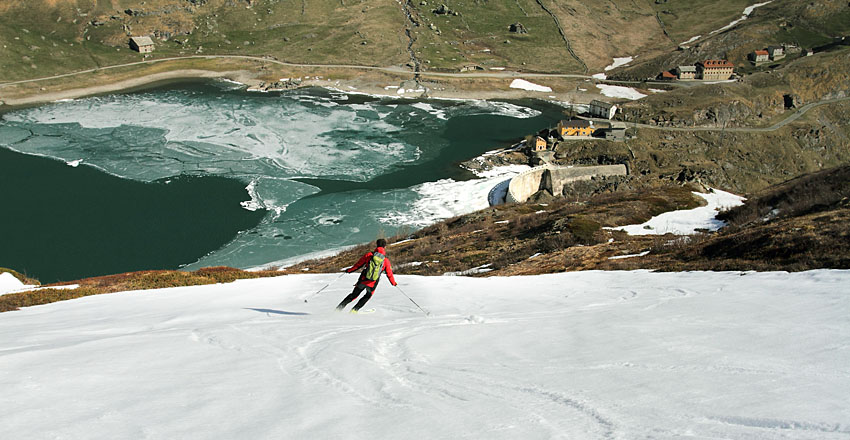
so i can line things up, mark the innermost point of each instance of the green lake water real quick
(204, 173)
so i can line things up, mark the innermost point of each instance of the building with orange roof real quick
(715, 70)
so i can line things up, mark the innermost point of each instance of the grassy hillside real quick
(45, 37)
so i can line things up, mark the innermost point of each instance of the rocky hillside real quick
(741, 162)
(759, 99)
(802, 24)
(797, 225)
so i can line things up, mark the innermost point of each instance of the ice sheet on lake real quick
(449, 198)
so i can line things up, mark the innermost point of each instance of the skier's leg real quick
(352, 296)
(366, 297)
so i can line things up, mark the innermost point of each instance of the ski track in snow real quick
(597, 355)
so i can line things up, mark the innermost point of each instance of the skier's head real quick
(381, 242)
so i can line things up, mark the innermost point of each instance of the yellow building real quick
(578, 127)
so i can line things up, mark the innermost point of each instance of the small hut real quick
(141, 44)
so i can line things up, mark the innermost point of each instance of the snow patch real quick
(484, 268)
(691, 40)
(619, 62)
(686, 222)
(747, 11)
(620, 257)
(9, 283)
(620, 92)
(525, 85)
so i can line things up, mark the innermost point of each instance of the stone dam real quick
(548, 177)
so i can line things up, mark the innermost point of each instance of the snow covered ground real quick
(619, 62)
(746, 14)
(526, 85)
(620, 92)
(586, 355)
(8, 284)
(685, 222)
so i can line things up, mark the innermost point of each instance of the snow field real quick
(609, 355)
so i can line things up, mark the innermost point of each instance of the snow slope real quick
(587, 355)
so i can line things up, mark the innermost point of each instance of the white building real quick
(602, 109)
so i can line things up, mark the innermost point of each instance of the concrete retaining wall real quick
(553, 179)
(525, 184)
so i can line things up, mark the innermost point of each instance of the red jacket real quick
(387, 268)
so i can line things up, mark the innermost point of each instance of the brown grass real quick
(810, 193)
(145, 280)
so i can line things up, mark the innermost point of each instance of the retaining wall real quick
(553, 179)
(524, 184)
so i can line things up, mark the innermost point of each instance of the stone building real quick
(715, 70)
(602, 109)
(616, 132)
(141, 44)
(686, 72)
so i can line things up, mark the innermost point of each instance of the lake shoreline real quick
(378, 84)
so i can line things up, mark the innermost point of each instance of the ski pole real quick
(326, 286)
(427, 313)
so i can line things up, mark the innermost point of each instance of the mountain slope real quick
(40, 38)
(581, 355)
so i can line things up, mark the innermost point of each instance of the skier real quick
(377, 263)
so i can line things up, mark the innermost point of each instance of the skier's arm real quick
(388, 269)
(360, 262)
